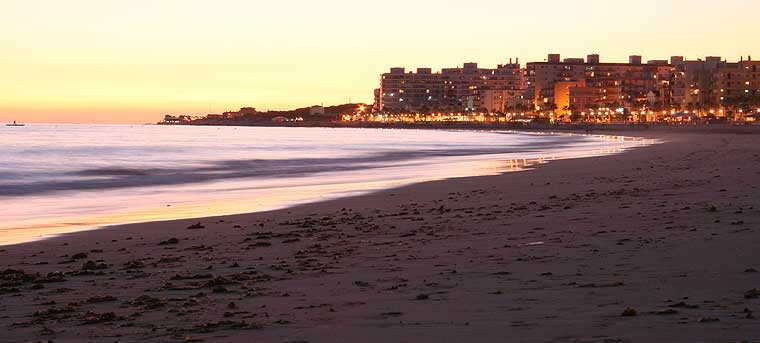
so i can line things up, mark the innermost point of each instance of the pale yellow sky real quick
(114, 61)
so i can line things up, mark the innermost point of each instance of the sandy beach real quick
(659, 244)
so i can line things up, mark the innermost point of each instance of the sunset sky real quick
(113, 61)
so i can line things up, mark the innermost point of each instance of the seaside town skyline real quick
(636, 90)
(567, 89)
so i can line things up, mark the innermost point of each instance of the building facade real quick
(575, 83)
(739, 87)
(468, 88)
(696, 83)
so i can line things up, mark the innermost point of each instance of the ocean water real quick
(64, 178)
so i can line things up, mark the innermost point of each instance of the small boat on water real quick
(15, 124)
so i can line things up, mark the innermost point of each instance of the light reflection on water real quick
(116, 174)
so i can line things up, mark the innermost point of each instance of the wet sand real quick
(659, 244)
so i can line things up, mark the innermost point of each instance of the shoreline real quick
(556, 253)
(73, 223)
(524, 127)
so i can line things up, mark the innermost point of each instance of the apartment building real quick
(739, 80)
(695, 82)
(591, 83)
(451, 89)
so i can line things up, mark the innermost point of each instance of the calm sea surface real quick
(64, 178)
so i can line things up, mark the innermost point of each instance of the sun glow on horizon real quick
(87, 61)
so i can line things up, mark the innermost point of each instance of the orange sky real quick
(117, 61)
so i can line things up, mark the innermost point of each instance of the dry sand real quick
(670, 233)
